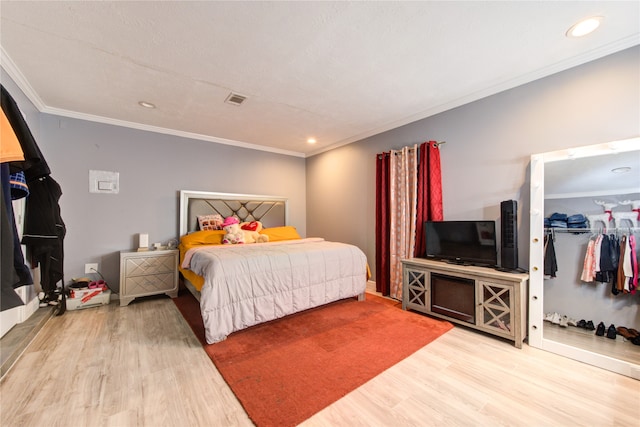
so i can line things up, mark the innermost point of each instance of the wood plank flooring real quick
(141, 365)
(618, 348)
(18, 338)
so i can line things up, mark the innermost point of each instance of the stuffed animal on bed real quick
(234, 235)
(251, 232)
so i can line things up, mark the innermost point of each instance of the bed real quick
(239, 286)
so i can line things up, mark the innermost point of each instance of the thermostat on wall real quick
(104, 182)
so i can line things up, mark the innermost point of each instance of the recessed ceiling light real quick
(311, 140)
(146, 104)
(584, 27)
(623, 169)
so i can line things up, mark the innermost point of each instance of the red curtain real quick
(429, 206)
(382, 223)
(429, 192)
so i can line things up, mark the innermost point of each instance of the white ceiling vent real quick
(235, 99)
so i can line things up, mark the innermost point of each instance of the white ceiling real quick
(593, 176)
(337, 71)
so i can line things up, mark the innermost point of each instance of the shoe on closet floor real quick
(564, 321)
(556, 319)
(600, 329)
(626, 333)
(548, 317)
(581, 324)
(611, 332)
(41, 299)
(589, 326)
(572, 322)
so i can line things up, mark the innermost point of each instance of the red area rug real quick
(286, 370)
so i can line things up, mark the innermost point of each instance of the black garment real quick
(44, 231)
(614, 252)
(606, 266)
(550, 261)
(8, 276)
(33, 165)
(22, 271)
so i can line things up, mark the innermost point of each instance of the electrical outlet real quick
(90, 268)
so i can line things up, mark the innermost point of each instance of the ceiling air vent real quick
(235, 99)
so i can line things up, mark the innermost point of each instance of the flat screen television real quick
(462, 242)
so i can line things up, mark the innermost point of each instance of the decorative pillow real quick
(287, 232)
(203, 237)
(210, 222)
(251, 226)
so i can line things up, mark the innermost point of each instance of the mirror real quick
(570, 182)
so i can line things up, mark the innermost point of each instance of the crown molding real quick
(496, 88)
(17, 76)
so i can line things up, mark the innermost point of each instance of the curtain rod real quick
(436, 143)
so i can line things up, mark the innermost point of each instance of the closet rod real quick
(592, 230)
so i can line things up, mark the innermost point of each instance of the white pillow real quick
(210, 222)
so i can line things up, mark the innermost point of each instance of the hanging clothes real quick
(610, 259)
(34, 164)
(10, 193)
(633, 282)
(621, 264)
(614, 249)
(18, 185)
(10, 149)
(589, 265)
(605, 271)
(596, 256)
(627, 266)
(8, 275)
(613, 260)
(44, 229)
(14, 272)
(550, 260)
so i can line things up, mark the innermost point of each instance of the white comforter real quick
(250, 284)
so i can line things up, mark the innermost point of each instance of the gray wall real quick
(153, 168)
(488, 146)
(485, 161)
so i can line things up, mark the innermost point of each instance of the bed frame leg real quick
(361, 297)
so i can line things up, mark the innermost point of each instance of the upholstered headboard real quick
(270, 210)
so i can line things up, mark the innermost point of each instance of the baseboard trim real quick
(16, 341)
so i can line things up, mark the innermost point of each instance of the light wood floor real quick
(141, 365)
(618, 348)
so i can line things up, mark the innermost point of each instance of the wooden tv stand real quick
(482, 298)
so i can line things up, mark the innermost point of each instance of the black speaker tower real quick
(509, 234)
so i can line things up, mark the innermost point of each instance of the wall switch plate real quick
(91, 268)
(105, 185)
(105, 182)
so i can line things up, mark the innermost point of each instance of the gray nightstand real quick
(148, 273)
